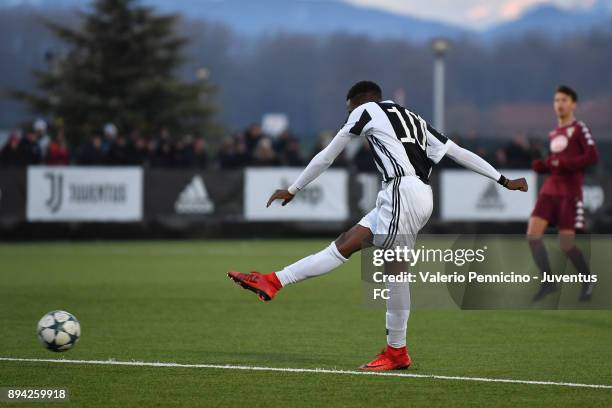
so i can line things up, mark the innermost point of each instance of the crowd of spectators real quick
(516, 153)
(253, 148)
(41, 145)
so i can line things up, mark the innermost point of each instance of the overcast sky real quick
(471, 13)
(476, 14)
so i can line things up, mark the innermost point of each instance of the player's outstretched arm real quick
(315, 168)
(477, 164)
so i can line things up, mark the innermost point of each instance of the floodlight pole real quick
(440, 47)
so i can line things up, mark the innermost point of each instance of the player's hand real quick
(518, 184)
(540, 166)
(284, 195)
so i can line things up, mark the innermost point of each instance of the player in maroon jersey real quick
(560, 204)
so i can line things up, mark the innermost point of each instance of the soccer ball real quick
(59, 331)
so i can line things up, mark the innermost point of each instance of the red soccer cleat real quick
(265, 286)
(390, 358)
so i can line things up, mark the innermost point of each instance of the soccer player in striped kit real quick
(404, 149)
(572, 150)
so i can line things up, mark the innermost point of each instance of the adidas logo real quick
(194, 198)
(490, 199)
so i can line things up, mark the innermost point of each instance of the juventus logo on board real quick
(56, 184)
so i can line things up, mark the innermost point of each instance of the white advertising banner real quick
(467, 196)
(325, 199)
(84, 194)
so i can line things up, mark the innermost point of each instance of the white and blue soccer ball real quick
(59, 331)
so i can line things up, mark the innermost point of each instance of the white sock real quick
(314, 265)
(398, 311)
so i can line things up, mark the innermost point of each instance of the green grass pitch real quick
(171, 302)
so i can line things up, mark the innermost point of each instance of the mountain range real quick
(323, 17)
(555, 21)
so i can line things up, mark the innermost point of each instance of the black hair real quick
(364, 87)
(564, 89)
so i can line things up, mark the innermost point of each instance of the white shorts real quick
(403, 207)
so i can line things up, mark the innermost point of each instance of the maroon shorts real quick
(564, 212)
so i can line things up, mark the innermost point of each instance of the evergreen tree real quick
(120, 67)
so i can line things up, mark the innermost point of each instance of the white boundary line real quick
(302, 370)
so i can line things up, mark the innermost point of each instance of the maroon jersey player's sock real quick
(577, 258)
(540, 256)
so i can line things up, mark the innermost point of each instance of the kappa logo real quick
(56, 188)
(490, 199)
(194, 198)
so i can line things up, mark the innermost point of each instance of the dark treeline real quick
(307, 76)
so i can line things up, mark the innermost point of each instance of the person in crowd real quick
(183, 152)
(363, 159)
(29, 150)
(200, 153)
(291, 155)
(281, 141)
(226, 154)
(536, 148)
(264, 154)
(252, 137)
(137, 150)
(58, 153)
(501, 160)
(163, 154)
(9, 155)
(241, 153)
(517, 153)
(118, 155)
(110, 132)
(43, 139)
(91, 153)
(233, 153)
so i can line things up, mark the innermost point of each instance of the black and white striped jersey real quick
(402, 143)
